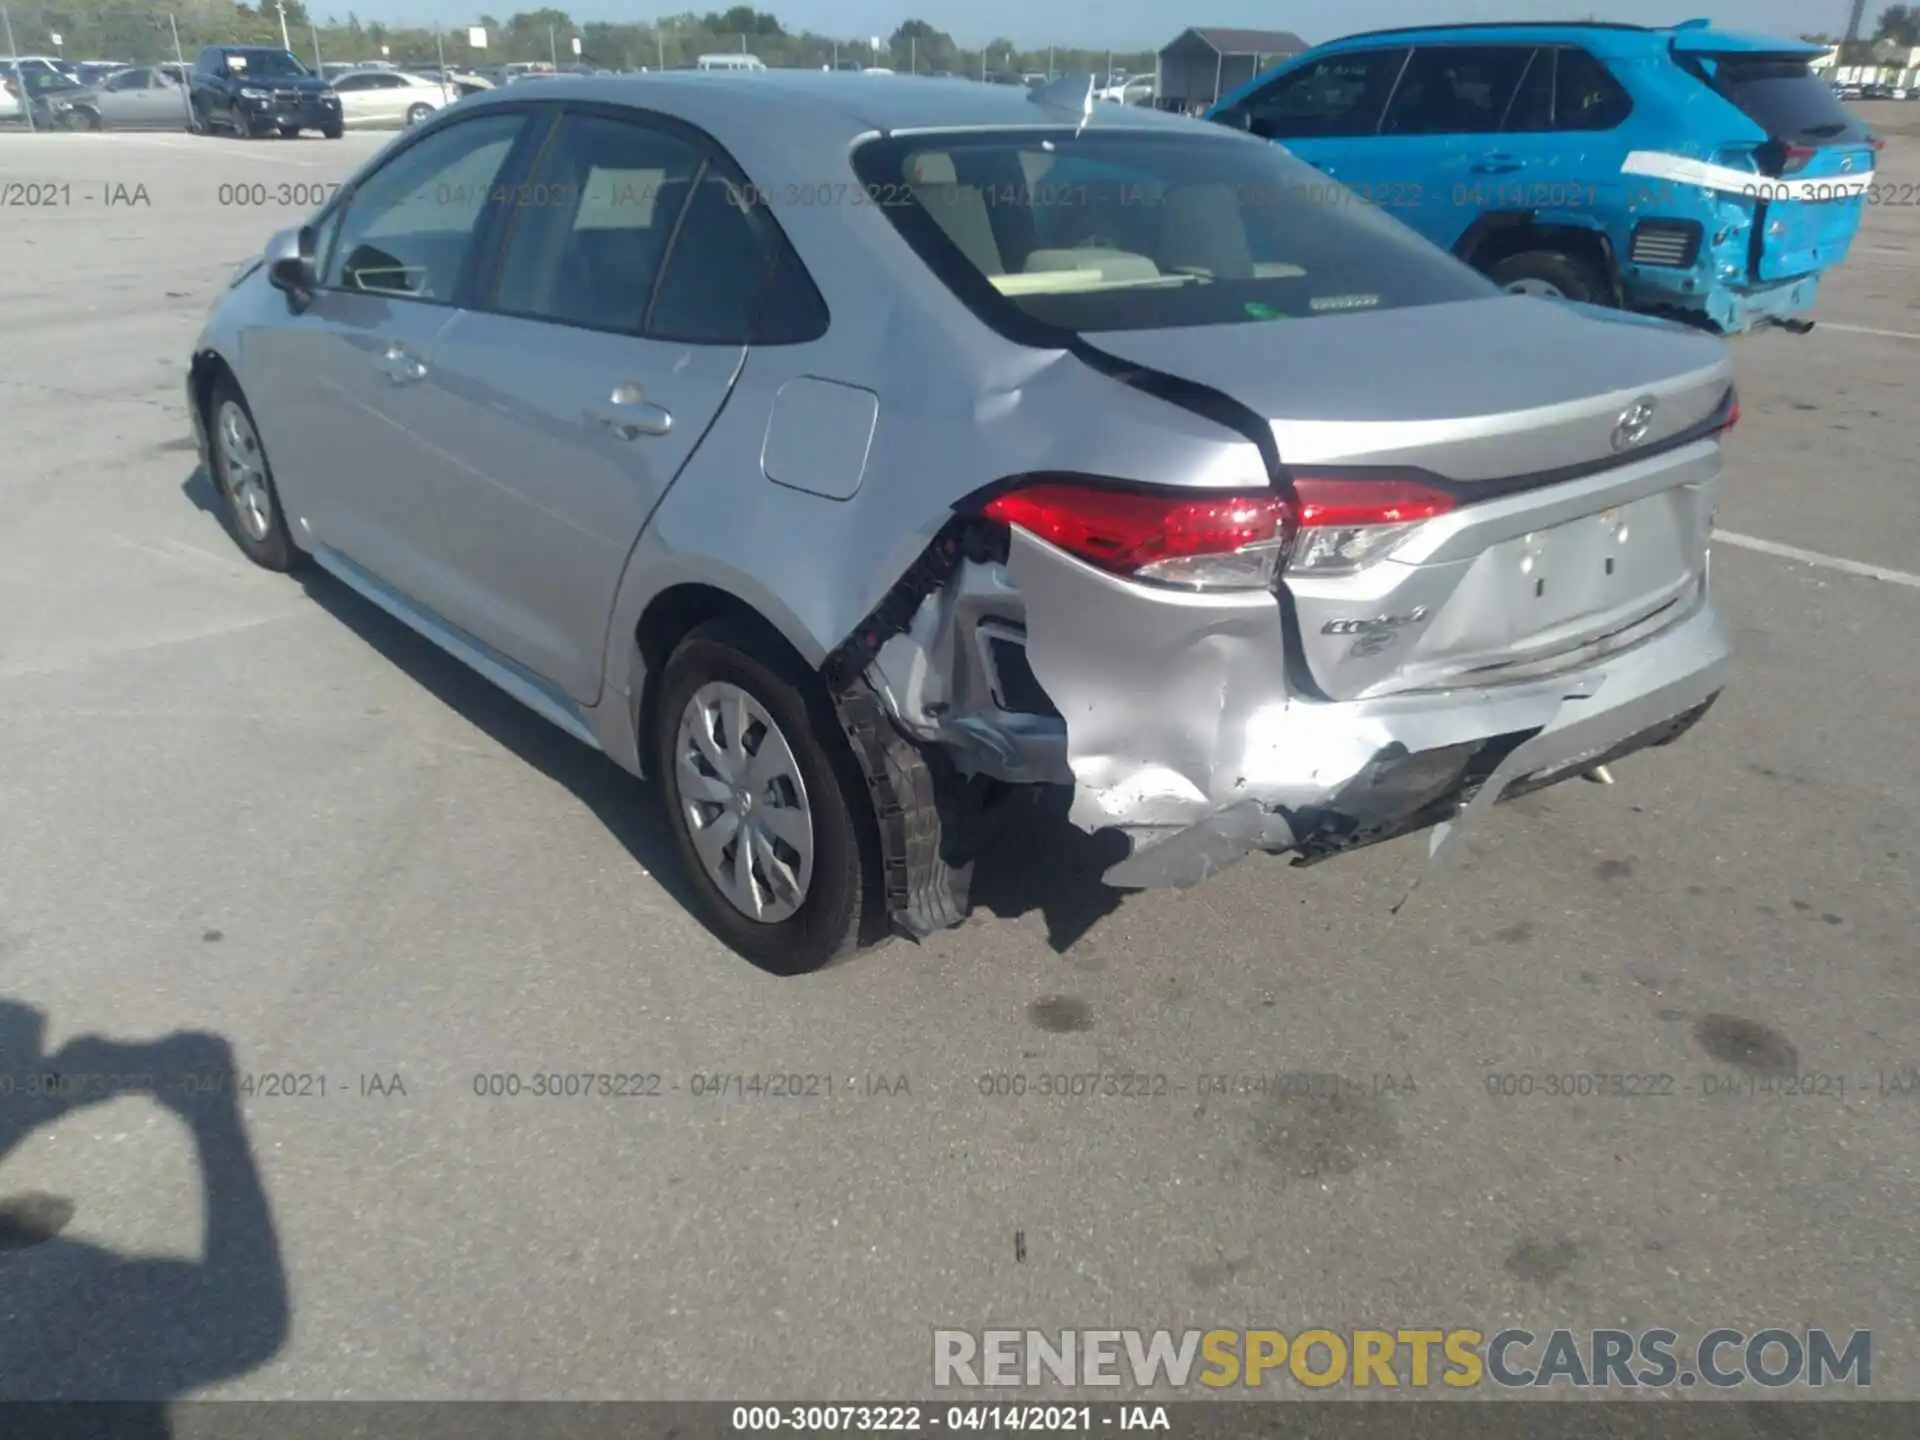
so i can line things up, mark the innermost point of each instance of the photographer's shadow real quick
(79, 1321)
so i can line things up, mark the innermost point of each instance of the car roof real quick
(1602, 36)
(831, 107)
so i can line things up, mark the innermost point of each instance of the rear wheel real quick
(249, 500)
(763, 800)
(333, 132)
(1551, 273)
(289, 132)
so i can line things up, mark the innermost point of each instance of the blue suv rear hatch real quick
(1809, 173)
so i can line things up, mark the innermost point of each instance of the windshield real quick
(273, 63)
(1786, 98)
(1132, 230)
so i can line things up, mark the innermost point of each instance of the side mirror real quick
(290, 266)
(1235, 119)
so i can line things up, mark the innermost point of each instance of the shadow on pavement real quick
(79, 1321)
(1036, 859)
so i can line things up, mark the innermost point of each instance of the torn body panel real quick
(1183, 734)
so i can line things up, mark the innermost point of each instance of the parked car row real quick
(243, 90)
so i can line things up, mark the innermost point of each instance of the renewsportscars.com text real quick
(1458, 1358)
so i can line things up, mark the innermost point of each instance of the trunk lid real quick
(1568, 537)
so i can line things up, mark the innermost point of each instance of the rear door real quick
(583, 379)
(1814, 166)
(1443, 137)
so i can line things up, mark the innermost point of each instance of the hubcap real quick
(1536, 287)
(744, 802)
(243, 471)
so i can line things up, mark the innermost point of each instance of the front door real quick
(356, 433)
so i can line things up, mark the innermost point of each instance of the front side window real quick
(409, 227)
(1456, 90)
(1147, 230)
(1336, 95)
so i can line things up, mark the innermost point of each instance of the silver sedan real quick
(849, 453)
(140, 98)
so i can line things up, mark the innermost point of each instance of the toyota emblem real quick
(1634, 423)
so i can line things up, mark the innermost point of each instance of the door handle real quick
(402, 368)
(628, 415)
(1498, 162)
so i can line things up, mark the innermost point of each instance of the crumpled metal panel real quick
(1181, 730)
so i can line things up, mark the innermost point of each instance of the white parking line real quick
(1814, 557)
(1869, 330)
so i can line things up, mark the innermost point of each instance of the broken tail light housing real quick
(1207, 541)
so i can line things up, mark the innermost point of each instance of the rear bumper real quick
(1421, 759)
(1729, 310)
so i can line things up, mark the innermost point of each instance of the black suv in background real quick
(255, 90)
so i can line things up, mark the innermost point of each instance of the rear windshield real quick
(1784, 97)
(1133, 230)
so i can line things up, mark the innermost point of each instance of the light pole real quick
(286, 42)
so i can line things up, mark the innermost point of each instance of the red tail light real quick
(1794, 157)
(1238, 541)
(1733, 418)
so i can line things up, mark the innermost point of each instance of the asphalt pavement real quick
(238, 804)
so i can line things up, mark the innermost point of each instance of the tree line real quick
(140, 30)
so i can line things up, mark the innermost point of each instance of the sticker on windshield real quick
(236, 62)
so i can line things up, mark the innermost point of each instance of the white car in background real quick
(376, 99)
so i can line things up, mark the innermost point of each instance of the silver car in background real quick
(847, 453)
(141, 97)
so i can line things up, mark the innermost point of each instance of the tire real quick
(289, 132)
(417, 113)
(1551, 272)
(249, 504)
(334, 132)
(841, 910)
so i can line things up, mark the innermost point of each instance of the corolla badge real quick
(1634, 423)
(1376, 624)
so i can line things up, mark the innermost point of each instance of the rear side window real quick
(1784, 97)
(1144, 230)
(591, 231)
(1586, 96)
(1336, 95)
(1456, 90)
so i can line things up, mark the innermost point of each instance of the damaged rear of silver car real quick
(1458, 550)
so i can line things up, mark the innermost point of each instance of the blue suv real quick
(1689, 171)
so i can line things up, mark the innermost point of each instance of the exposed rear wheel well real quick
(673, 614)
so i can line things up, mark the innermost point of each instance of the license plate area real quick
(1558, 587)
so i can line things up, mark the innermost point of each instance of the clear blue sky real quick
(1142, 24)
